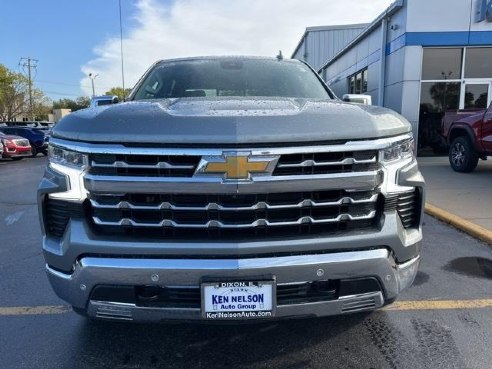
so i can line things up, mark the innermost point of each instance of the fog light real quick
(406, 273)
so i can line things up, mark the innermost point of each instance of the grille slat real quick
(314, 163)
(216, 206)
(217, 216)
(219, 224)
(326, 162)
(159, 165)
(58, 214)
(144, 165)
(185, 165)
(407, 204)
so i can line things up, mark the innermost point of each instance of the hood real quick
(11, 137)
(230, 121)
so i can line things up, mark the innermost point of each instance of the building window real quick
(478, 62)
(476, 96)
(443, 63)
(438, 97)
(456, 74)
(358, 82)
(452, 79)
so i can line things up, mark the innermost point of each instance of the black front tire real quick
(34, 152)
(462, 155)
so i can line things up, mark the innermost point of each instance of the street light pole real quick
(93, 77)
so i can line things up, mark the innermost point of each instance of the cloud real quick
(183, 28)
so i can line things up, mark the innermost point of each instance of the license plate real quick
(238, 300)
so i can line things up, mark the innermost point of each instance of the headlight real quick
(72, 164)
(72, 159)
(398, 151)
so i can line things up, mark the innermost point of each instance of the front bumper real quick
(16, 153)
(90, 272)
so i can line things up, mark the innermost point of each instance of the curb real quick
(459, 223)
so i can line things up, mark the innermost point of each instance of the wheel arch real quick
(459, 130)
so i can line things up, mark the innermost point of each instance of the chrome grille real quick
(326, 162)
(190, 215)
(144, 165)
(310, 163)
(21, 142)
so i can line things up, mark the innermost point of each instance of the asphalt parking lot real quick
(443, 321)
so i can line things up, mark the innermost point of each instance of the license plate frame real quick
(265, 287)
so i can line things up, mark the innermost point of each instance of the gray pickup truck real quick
(231, 188)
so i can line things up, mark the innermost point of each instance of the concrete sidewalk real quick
(466, 195)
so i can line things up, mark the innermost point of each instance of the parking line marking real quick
(439, 305)
(396, 306)
(12, 218)
(34, 310)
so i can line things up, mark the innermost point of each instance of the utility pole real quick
(29, 64)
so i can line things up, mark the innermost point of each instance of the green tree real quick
(41, 105)
(81, 102)
(13, 94)
(118, 91)
(14, 97)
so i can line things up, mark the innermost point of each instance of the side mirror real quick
(358, 99)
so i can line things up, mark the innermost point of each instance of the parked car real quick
(103, 100)
(469, 136)
(15, 147)
(38, 139)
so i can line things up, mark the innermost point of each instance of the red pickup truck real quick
(469, 135)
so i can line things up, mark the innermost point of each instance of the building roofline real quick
(392, 9)
(337, 26)
(327, 28)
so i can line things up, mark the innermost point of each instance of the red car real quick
(14, 147)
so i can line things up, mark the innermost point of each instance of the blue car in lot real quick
(38, 138)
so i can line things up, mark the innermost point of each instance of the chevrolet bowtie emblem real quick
(237, 166)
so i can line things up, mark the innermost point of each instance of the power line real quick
(62, 93)
(40, 81)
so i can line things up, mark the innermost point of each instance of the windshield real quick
(231, 77)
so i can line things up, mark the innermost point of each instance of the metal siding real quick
(394, 67)
(325, 44)
(393, 96)
(300, 51)
(439, 15)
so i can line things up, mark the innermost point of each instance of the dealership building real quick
(421, 58)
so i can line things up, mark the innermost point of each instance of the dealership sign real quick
(485, 11)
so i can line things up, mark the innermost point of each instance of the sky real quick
(72, 38)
